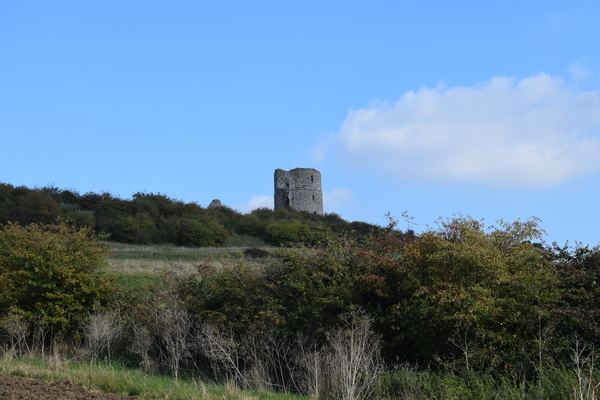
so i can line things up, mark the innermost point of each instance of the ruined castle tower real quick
(300, 189)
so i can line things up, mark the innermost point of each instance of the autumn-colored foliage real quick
(460, 282)
(462, 291)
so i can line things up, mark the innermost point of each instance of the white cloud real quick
(579, 71)
(256, 202)
(535, 132)
(318, 152)
(333, 199)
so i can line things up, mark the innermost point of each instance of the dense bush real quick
(53, 273)
(578, 309)
(288, 232)
(253, 252)
(192, 232)
(461, 292)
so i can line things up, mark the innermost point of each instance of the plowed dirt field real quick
(13, 388)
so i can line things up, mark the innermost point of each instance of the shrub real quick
(288, 232)
(254, 252)
(192, 232)
(134, 229)
(33, 206)
(82, 218)
(250, 224)
(52, 272)
(464, 284)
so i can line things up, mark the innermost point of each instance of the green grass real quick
(114, 378)
(172, 253)
(135, 268)
(246, 241)
(558, 384)
(168, 253)
(150, 260)
(409, 383)
(134, 283)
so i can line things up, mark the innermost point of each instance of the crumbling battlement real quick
(300, 189)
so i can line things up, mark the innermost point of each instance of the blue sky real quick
(489, 109)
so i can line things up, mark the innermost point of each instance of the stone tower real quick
(299, 189)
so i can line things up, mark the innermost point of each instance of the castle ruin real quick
(300, 189)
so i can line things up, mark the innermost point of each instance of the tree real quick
(578, 309)
(52, 272)
(485, 284)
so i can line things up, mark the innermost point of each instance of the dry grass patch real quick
(149, 267)
(153, 259)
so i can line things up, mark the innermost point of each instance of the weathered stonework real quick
(215, 203)
(300, 189)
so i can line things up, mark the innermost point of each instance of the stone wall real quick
(300, 189)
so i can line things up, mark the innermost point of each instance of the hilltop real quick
(155, 218)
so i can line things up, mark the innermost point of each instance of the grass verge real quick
(114, 378)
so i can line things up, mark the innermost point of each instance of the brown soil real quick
(13, 388)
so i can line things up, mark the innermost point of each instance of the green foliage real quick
(81, 218)
(252, 224)
(316, 284)
(52, 272)
(123, 381)
(238, 295)
(461, 292)
(245, 241)
(464, 284)
(304, 292)
(287, 232)
(410, 383)
(134, 229)
(135, 284)
(254, 252)
(25, 206)
(483, 309)
(155, 218)
(194, 233)
(578, 309)
(225, 216)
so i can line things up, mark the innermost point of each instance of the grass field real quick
(135, 268)
(131, 258)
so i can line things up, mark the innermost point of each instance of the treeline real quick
(478, 298)
(481, 307)
(155, 218)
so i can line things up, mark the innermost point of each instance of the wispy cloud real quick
(333, 199)
(535, 132)
(319, 151)
(256, 202)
